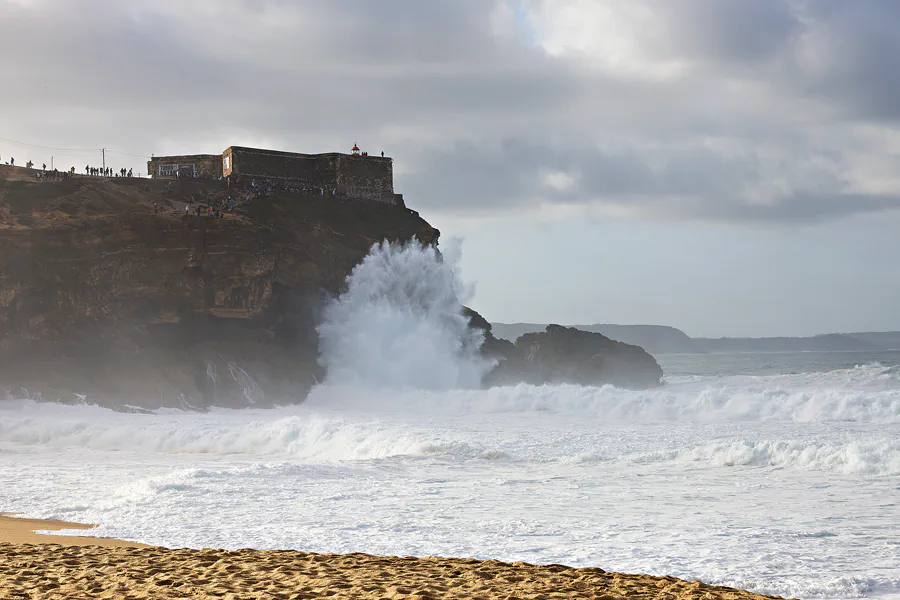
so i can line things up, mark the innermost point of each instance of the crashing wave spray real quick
(400, 323)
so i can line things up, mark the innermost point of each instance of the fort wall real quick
(356, 177)
(204, 166)
(366, 177)
(314, 169)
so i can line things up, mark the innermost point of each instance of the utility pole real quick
(103, 150)
(51, 163)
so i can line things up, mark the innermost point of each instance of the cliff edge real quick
(110, 292)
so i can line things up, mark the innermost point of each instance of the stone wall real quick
(357, 177)
(206, 166)
(314, 169)
(366, 177)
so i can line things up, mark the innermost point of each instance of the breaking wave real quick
(875, 457)
(400, 323)
(711, 400)
(307, 436)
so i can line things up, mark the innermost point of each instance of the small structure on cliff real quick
(356, 176)
(200, 166)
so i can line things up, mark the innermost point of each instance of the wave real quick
(303, 436)
(307, 437)
(707, 401)
(401, 322)
(877, 457)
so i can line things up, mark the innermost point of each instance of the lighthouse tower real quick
(355, 150)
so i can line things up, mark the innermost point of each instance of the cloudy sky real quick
(728, 167)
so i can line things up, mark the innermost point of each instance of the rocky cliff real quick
(112, 293)
(109, 291)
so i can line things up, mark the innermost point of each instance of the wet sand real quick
(22, 531)
(56, 567)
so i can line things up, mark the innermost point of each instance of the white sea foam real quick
(309, 435)
(864, 457)
(664, 481)
(710, 400)
(736, 480)
(400, 323)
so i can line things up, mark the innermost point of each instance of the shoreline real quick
(18, 530)
(52, 566)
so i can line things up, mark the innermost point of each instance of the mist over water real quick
(400, 323)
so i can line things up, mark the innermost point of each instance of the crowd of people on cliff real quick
(211, 208)
(44, 174)
(106, 172)
(55, 174)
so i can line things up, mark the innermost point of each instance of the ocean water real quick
(775, 473)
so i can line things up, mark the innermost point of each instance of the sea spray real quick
(400, 323)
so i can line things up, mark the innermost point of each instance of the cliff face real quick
(105, 295)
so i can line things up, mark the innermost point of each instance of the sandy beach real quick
(44, 566)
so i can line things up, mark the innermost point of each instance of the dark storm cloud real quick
(275, 64)
(845, 52)
(473, 108)
(693, 184)
(857, 48)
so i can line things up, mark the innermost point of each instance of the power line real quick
(72, 149)
(127, 154)
(49, 147)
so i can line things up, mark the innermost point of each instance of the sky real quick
(727, 167)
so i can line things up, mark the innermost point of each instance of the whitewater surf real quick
(781, 483)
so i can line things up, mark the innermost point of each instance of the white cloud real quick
(613, 36)
(559, 181)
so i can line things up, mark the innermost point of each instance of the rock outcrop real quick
(110, 292)
(566, 355)
(656, 339)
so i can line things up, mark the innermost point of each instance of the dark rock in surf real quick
(566, 355)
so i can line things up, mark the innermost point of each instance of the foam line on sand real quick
(16, 530)
(77, 570)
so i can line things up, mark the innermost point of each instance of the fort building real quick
(356, 176)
